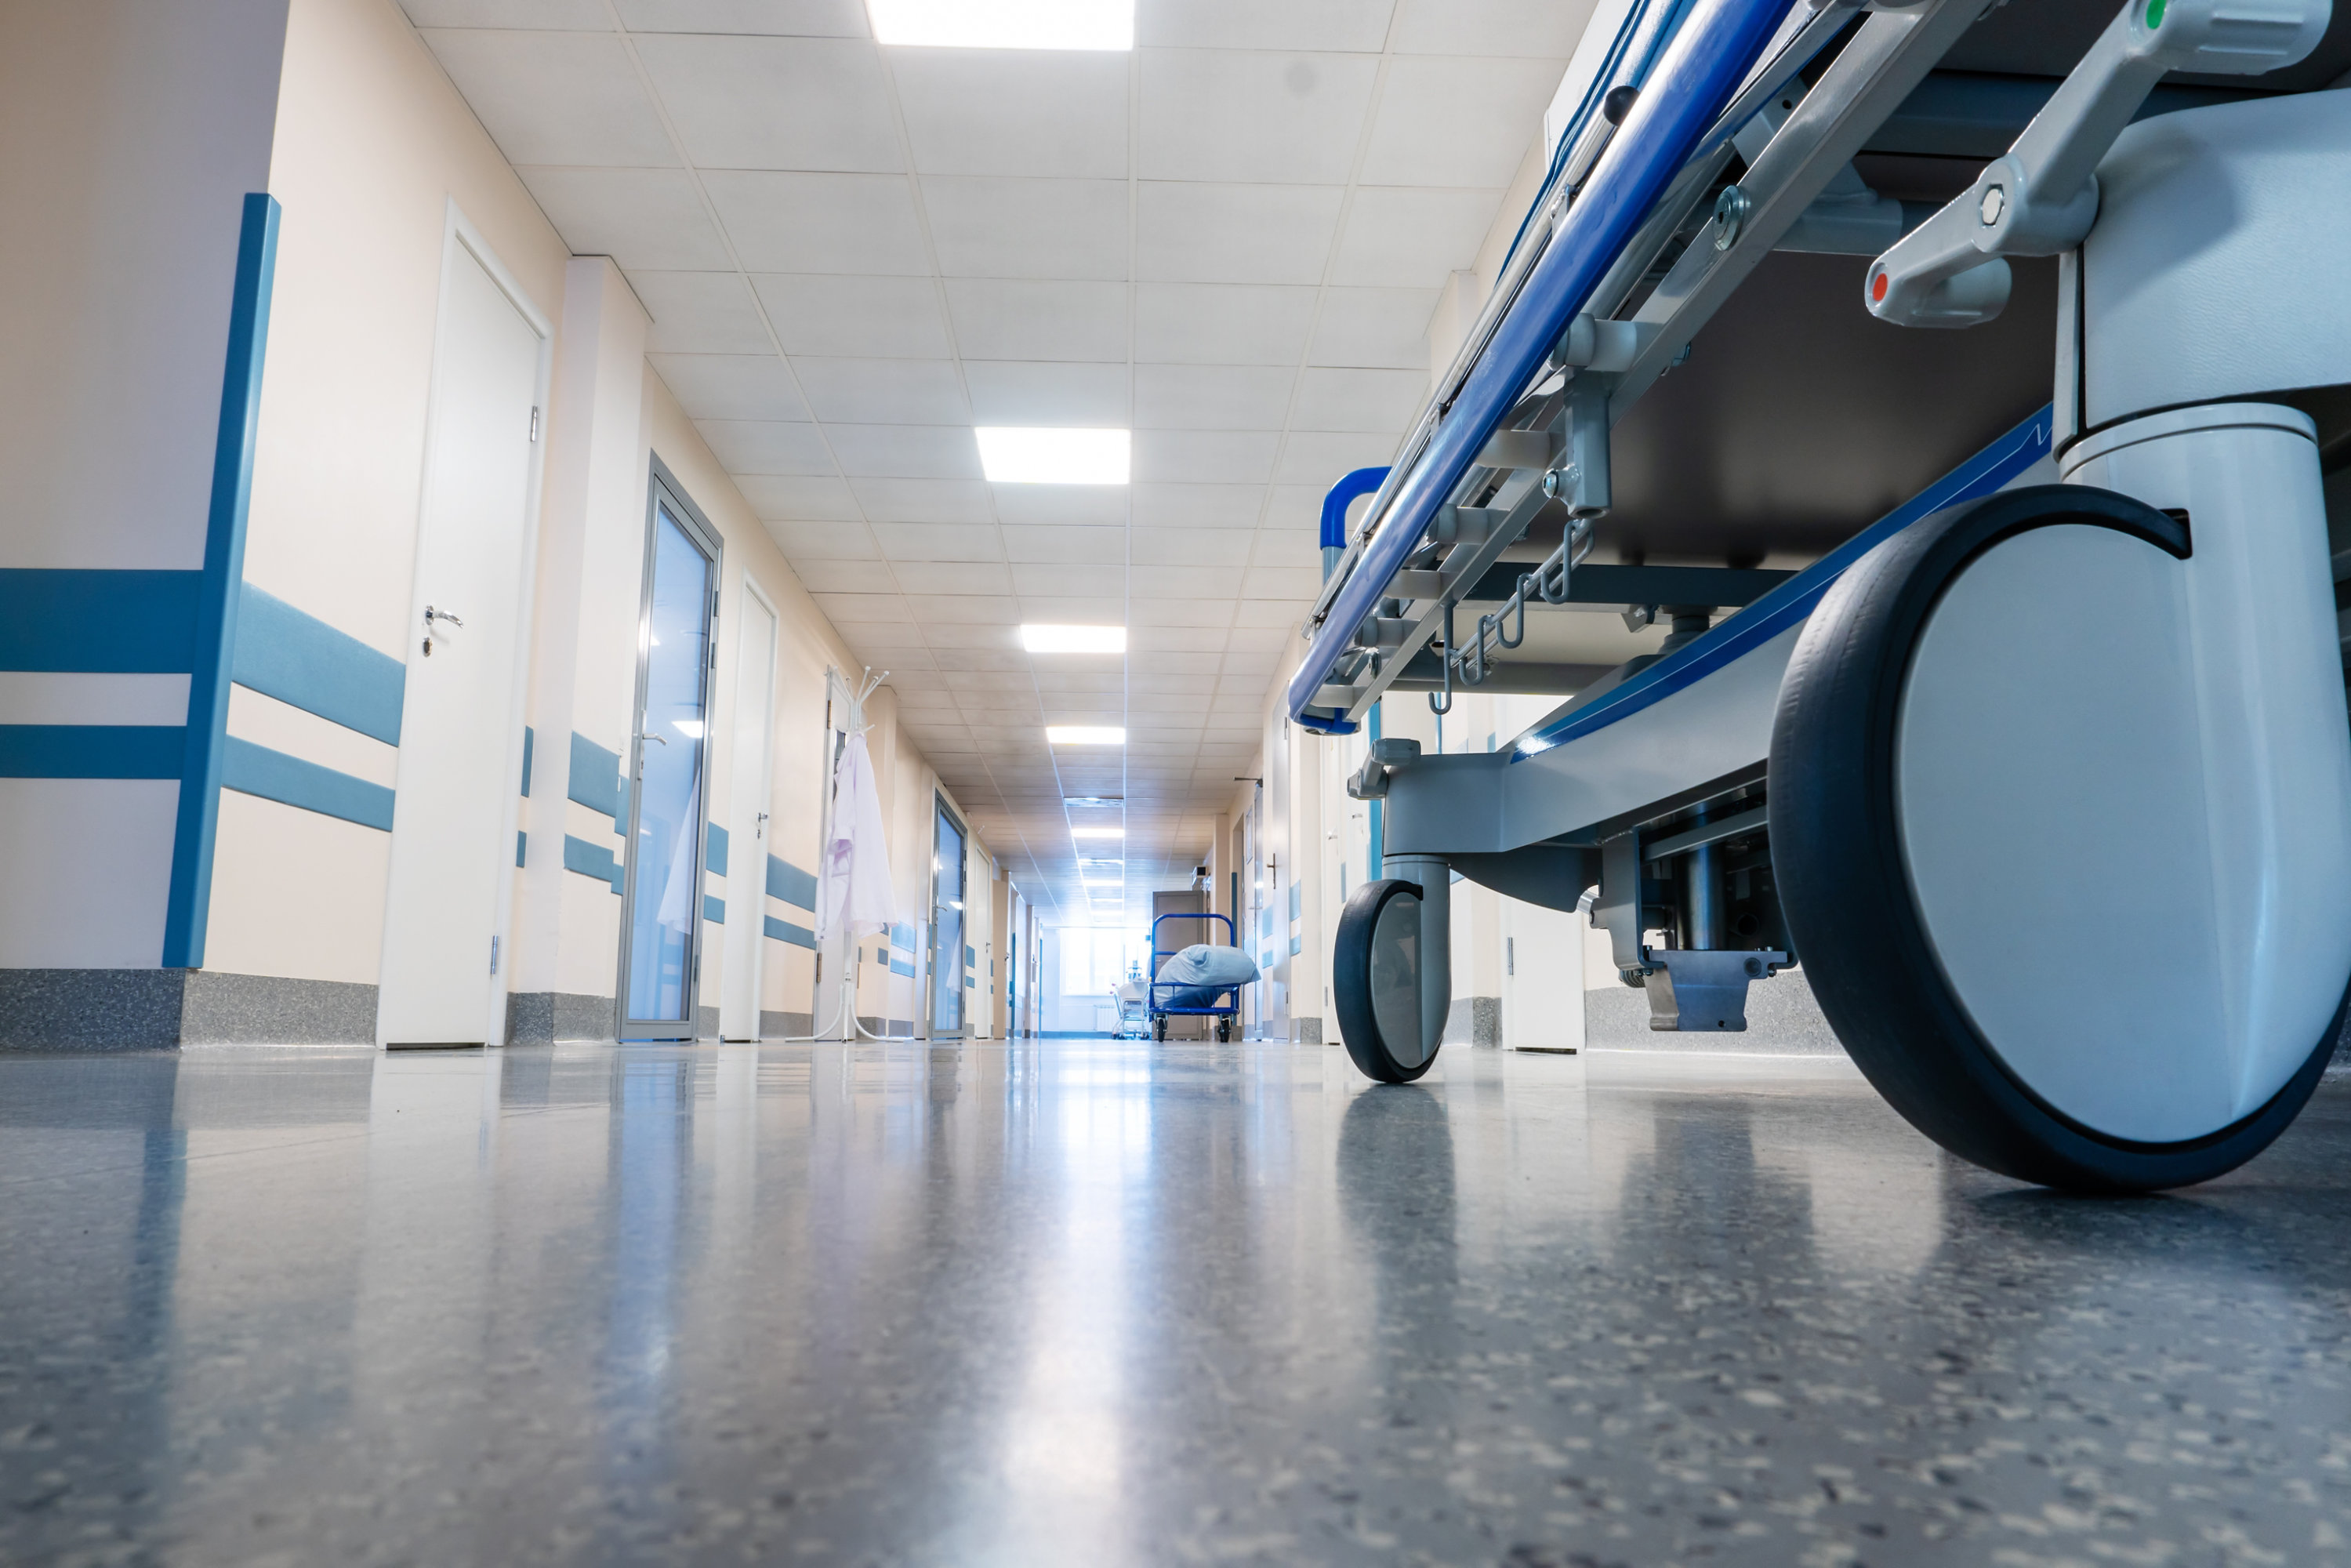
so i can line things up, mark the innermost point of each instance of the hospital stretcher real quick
(2044, 774)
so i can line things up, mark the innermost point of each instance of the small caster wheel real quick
(1159, 1029)
(1224, 1031)
(2069, 909)
(1376, 981)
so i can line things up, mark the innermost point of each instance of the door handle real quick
(431, 615)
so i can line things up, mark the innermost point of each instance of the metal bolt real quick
(1994, 200)
(1730, 210)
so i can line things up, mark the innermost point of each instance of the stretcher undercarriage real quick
(2044, 773)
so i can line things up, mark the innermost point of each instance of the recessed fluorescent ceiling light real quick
(1073, 639)
(1085, 735)
(1006, 23)
(1097, 833)
(1011, 456)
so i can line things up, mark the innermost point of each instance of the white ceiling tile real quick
(1322, 458)
(1181, 611)
(731, 386)
(872, 607)
(1198, 505)
(1257, 639)
(902, 638)
(1282, 582)
(1375, 328)
(906, 451)
(1064, 505)
(1221, 323)
(820, 222)
(970, 610)
(588, 14)
(1093, 547)
(638, 217)
(997, 318)
(1041, 577)
(860, 317)
(1221, 114)
(775, 103)
(1358, 26)
(1301, 505)
(1072, 610)
(923, 500)
(1047, 114)
(959, 576)
(1212, 397)
(1411, 239)
(1227, 549)
(810, 18)
(1010, 392)
(824, 541)
(1027, 228)
(1358, 400)
(1282, 612)
(1517, 30)
(1446, 121)
(1286, 546)
(1191, 582)
(884, 392)
(766, 446)
(1192, 233)
(939, 541)
(557, 98)
(1204, 457)
(977, 648)
(701, 313)
(776, 497)
(846, 576)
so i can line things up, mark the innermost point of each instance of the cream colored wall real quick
(372, 146)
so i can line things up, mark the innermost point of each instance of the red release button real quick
(1877, 288)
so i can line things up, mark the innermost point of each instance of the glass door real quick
(661, 923)
(946, 925)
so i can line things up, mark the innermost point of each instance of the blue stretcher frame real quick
(1717, 45)
(1151, 995)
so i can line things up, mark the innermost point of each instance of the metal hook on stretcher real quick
(1445, 664)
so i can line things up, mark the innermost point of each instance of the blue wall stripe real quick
(592, 860)
(522, 842)
(714, 910)
(294, 656)
(595, 777)
(109, 623)
(91, 750)
(715, 854)
(252, 769)
(788, 882)
(902, 937)
(899, 968)
(529, 739)
(187, 905)
(785, 931)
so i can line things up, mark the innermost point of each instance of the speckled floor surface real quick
(1081, 1304)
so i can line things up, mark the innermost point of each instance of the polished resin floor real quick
(1086, 1303)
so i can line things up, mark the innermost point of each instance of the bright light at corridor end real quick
(1013, 455)
(1085, 735)
(1006, 23)
(1073, 639)
(1097, 833)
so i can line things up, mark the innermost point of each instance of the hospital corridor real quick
(1547, 783)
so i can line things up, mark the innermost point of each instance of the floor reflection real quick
(1109, 1302)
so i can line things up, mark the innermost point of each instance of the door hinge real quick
(534, 422)
(494, 954)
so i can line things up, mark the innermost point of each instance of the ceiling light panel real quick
(1005, 24)
(1085, 735)
(1097, 833)
(1038, 639)
(1016, 454)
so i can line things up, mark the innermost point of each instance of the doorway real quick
(661, 924)
(947, 924)
(747, 818)
(450, 888)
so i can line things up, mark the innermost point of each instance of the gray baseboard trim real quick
(706, 1023)
(267, 1010)
(1306, 1032)
(786, 1026)
(530, 1018)
(542, 1017)
(581, 1017)
(1782, 1019)
(161, 1010)
(1474, 1021)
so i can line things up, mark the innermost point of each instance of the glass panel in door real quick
(665, 884)
(946, 928)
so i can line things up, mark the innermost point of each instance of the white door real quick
(748, 819)
(1542, 977)
(452, 827)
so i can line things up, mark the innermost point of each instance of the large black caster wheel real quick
(1159, 1029)
(2072, 919)
(1376, 981)
(1224, 1031)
